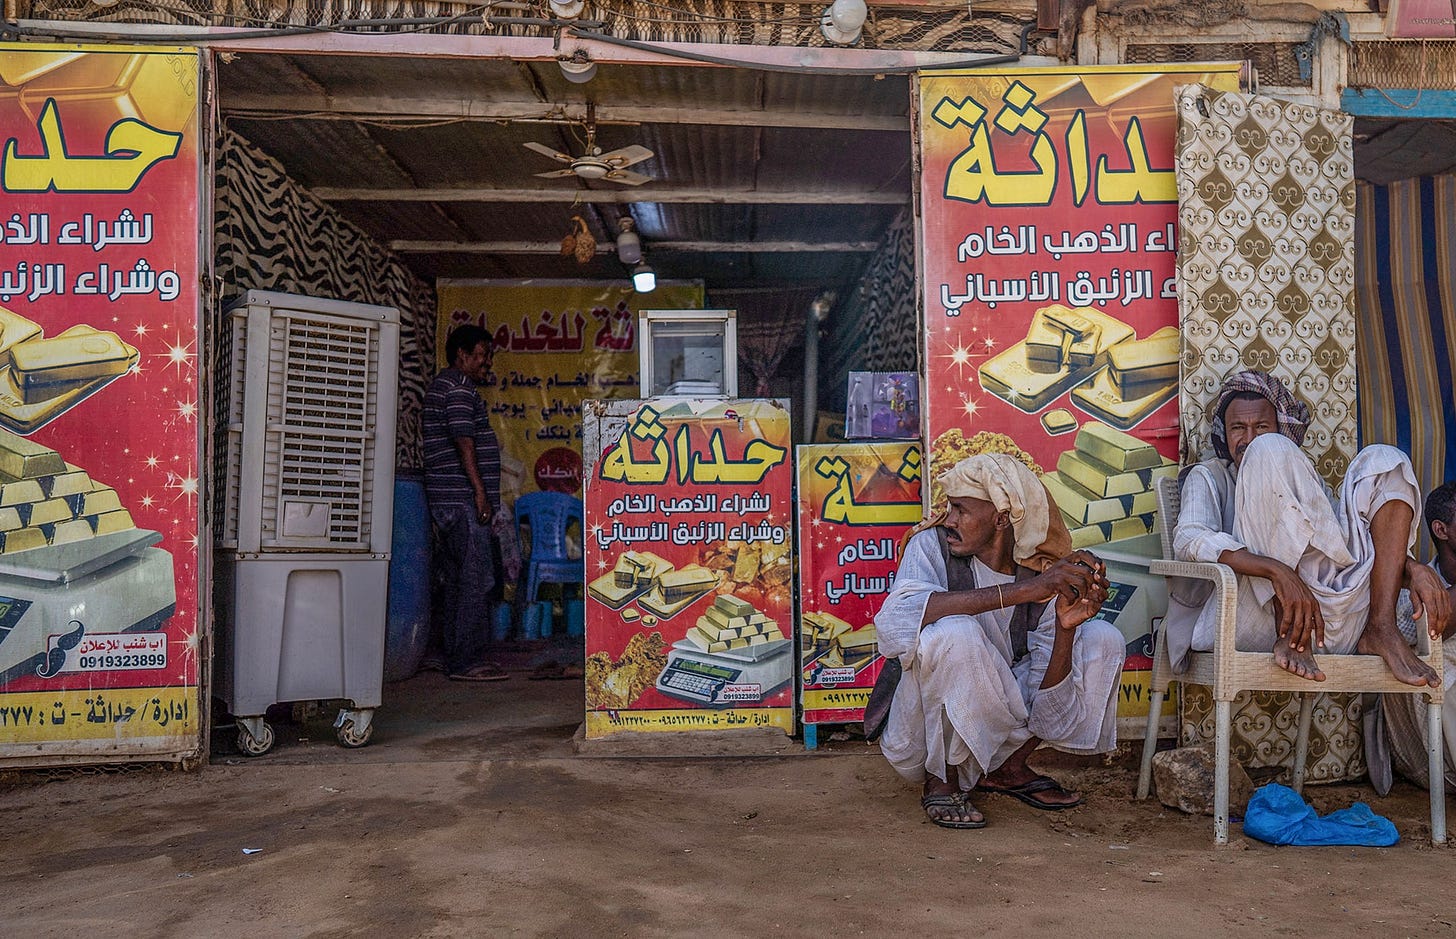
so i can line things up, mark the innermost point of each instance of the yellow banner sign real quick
(131, 714)
(556, 345)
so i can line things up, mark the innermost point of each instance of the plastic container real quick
(536, 620)
(575, 617)
(407, 628)
(500, 624)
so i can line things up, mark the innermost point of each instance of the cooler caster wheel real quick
(352, 739)
(354, 728)
(254, 740)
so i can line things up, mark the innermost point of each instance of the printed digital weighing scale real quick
(723, 679)
(112, 583)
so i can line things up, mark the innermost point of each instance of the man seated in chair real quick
(1405, 715)
(990, 616)
(1316, 573)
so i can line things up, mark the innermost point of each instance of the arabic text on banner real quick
(856, 502)
(557, 343)
(689, 544)
(1049, 243)
(98, 401)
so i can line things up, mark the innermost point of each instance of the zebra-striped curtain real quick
(272, 234)
(1405, 281)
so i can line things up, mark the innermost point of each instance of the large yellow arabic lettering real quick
(132, 148)
(1077, 160)
(759, 457)
(684, 454)
(1138, 184)
(841, 508)
(618, 464)
(973, 174)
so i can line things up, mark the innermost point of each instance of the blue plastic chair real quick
(549, 514)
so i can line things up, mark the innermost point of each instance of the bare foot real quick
(946, 805)
(1296, 662)
(1387, 642)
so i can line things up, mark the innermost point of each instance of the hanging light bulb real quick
(843, 21)
(644, 278)
(566, 9)
(578, 67)
(629, 246)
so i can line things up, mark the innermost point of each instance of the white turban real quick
(1007, 483)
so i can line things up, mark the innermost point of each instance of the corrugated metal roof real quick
(740, 158)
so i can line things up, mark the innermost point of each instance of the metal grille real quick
(740, 22)
(321, 414)
(1403, 63)
(228, 411)
(1277, 62)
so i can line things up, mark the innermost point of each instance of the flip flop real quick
(1027, 791)
(481, 673)
(955, 800)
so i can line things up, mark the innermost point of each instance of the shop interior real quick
(785, 193)
(773, 188)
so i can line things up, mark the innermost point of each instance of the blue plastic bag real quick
(1278, 815)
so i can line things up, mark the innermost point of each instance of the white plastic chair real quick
(1228, 671)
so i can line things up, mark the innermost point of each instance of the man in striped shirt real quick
(462, 483)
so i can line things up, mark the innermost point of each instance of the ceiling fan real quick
(594, 164)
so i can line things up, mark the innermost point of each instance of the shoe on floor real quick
(486, 672)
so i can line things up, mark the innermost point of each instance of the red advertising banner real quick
(98, 402)
(1048, 242)
(689, 560)
(557, 344)
(856, 502)
(1420, 19)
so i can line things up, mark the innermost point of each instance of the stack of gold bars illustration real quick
(837, 644)
(1112, 375)
(1104, 486)
(654, 582)
(731, 624)
(46, 501)
(41, 378)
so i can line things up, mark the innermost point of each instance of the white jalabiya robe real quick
(1281, 509)
(961, 701)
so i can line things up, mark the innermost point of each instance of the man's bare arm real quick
(465, 449)
(1075, 576)
(1300, 618)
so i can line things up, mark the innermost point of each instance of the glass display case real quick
(688, 353)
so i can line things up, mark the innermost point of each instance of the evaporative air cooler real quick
(305, 450)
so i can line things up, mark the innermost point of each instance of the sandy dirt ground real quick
(471, 814)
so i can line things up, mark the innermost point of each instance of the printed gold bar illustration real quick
(25, 459)
(1063, 348)
(68, 358)
(1102, 400)
(1116, 449)
(1105, 486)
(1139, 367)
(1102, 480)
(1058, 421)
(47, 501)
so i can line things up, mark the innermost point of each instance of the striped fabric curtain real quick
(1405, 281)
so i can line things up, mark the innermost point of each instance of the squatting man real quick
(991, 619)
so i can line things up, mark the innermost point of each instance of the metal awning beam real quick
(616, 196)
(656, 247)
(348, 108)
